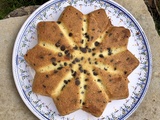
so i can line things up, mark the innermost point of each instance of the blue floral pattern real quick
(43, 107)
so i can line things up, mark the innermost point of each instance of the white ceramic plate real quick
(43, 107)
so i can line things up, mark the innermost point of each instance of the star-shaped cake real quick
(81, 61)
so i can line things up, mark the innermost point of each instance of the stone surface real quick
(12, 106)
(22, 11)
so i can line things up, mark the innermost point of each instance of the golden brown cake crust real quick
(72, 19)
(116, 37)
(68, 100)
(98, 22)
(96, 98)
(81, 61)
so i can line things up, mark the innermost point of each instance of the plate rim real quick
(51, 2)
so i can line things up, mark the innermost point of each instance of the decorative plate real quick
(43, 107)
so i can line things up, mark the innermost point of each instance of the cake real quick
(81, 61)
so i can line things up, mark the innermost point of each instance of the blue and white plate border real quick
(38, 11)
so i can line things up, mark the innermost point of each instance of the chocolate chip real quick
(101, 56)
(44, 86)
(115, 68)
(86, 36)
(85, 71)
(125, 72)
(109, 51)
(99, 80)
(77, 60)
(82, 58)
(96, 43)
(95, 73)
(93, 29)
(68, 55)
(85, 87)
(53, 59)
(82, 29)
(54, 63)
(81, 69)
(66, 51)
(79, 65)
(105, 69)
(70, 34)
(128, 58)
(41, 57)
(82, 41)
(83, 103)
(34, 64)
(73, 62)
(93, 49)
(96, 62)
(89, 50)
(86, 79)
(99, 91)
(65, 81)
(60, 54)
(74, 73)
(59, 68)
(93, 54)
(70, 65)
(63, 47)
(84, 50)
(75, 47)
(84, 20)
(59, 22)
(65, 64)
(77, 82)
(82, 92)
(80, 101)
(57, 44)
